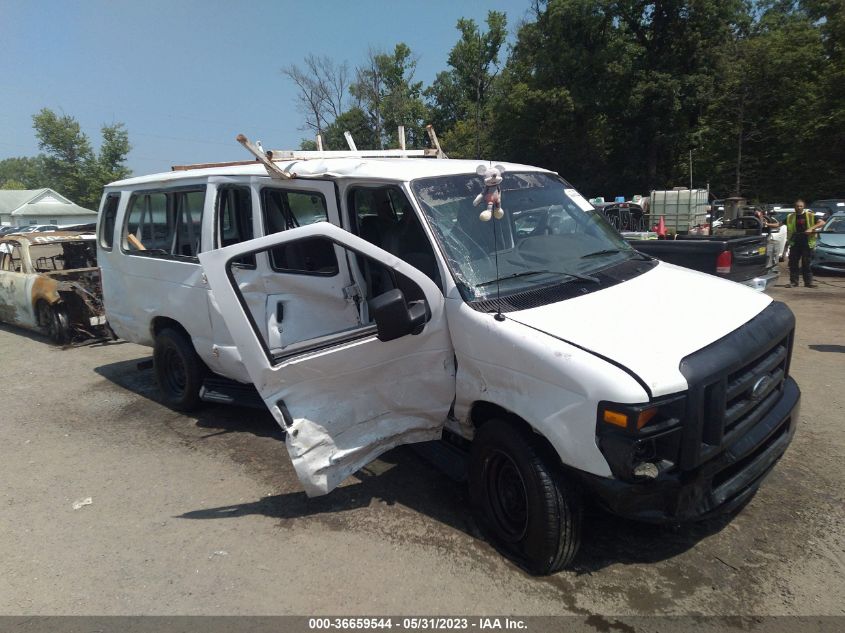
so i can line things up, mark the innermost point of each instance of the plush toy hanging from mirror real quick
(492, 193)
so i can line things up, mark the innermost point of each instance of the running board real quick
(219, 390)
(445, 457)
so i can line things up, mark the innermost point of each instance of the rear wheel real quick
(179, 371)
(525, 504)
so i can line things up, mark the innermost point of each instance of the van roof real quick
(399, 169)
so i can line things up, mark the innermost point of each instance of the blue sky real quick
(187, 76)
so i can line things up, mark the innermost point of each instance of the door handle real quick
(280, 311)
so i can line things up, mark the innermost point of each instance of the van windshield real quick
(549, 233)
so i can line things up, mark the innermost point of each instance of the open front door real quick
(343, 397)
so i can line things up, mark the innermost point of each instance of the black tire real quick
(54, 320)
(522, 500)
(179, 371)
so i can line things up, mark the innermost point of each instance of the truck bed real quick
(700, 252)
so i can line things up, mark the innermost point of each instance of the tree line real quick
(619, 97)
(68, 163)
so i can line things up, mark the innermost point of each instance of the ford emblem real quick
(759, 387)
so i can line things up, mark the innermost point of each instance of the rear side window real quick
(284, 210)
(108, 220)
(234, 220)
(164, 223)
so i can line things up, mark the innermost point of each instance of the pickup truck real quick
(741, 259)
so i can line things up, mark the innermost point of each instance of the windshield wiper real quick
(538, 272)
(607, 251)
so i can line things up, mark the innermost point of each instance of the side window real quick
(147, 228)
(164, 224)
(384, 217)
(287, 328)
(108, 220)
(187, 208)
(234, 220)
(284, 210)
(10, 257)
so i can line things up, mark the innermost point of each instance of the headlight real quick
(633, 418)
(640, 441)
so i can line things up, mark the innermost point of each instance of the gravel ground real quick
(202, 514)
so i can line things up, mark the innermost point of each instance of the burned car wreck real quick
(50, 282)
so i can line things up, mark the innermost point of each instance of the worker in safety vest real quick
(801, 228)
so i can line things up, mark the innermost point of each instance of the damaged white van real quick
(371, 306)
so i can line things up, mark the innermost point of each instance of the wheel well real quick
(38, 304)
(482, 412)
(161, 323)
(166, 323)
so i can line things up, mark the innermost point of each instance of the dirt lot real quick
(203, 514)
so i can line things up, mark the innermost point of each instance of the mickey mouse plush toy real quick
(492, 193)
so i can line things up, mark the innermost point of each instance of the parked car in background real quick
(34, 228)
(827, 207)
(49, 282)
(829, 254)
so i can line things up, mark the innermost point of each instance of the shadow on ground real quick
(402, 477)
(34, 335)
(840, 349)
(136, 376)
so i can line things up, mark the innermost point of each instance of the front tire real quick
(522, 500)
(54, 320)
(179, 371)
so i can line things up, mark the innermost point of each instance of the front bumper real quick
(718, 485)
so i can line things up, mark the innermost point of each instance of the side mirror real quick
(395, 318)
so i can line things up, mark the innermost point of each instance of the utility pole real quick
(690, 169)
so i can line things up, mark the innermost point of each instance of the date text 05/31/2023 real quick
(417, 623)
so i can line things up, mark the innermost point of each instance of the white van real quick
(370, 306)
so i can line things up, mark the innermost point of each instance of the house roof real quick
(38, 202)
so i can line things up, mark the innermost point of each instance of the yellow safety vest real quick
(790, 227)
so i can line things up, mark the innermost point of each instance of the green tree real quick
(12, 184)
(761, 131)
(70, 164)
(23, 173)
(828, 146)
(475, 63)
(355, 122)
(68, 154)
(385, 91)
(612, 92)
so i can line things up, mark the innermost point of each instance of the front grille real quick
(734, 383)
(753, 390)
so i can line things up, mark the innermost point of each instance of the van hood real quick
(649, 323)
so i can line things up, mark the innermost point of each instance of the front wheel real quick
(54, 320)
(179, 371)
(522, 500)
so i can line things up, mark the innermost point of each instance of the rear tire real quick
(178, 369)
(522, 500)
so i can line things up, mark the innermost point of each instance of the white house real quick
(23, 207)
